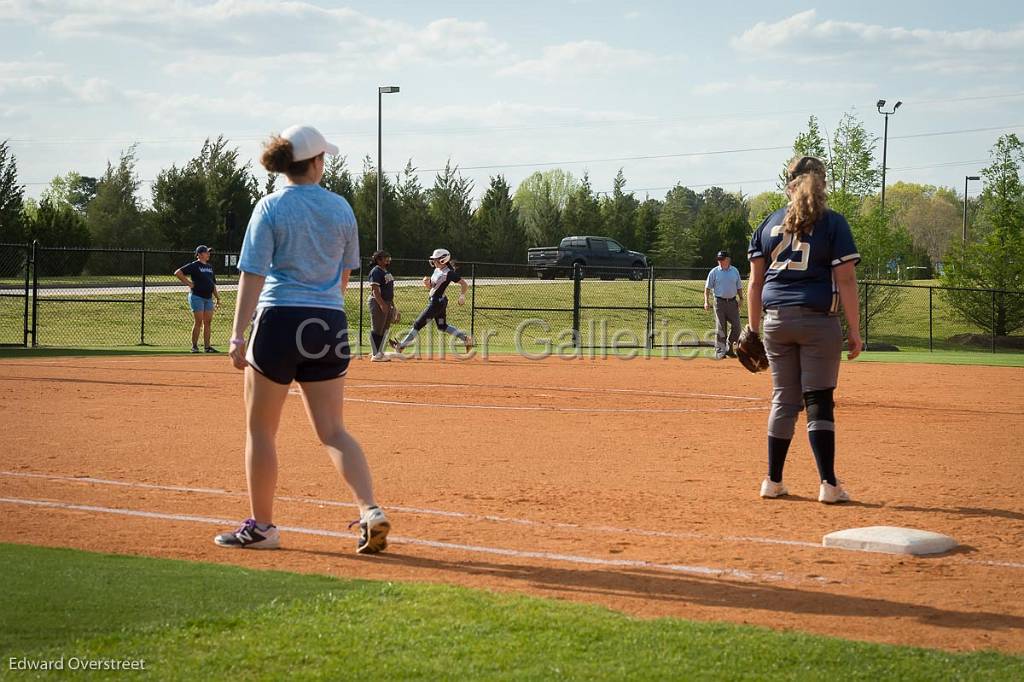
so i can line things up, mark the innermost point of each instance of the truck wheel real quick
(638, 273)
(546, 274)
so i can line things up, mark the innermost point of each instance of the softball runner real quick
(299, 249)
(437, 302)
(802, 261)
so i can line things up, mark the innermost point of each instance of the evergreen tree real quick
(498, 229)
(338, 179)
(416, 228)
(448, 203)
(12, 194)
(364, 204)
(231, 189)
(617, 212)
(645, 225)
(182, 209)
(582, 213)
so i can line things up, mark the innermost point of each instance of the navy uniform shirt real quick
(385, 280)
(798, 270)
(440, 280)
(203, 279)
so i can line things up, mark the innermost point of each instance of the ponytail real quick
(806, 190)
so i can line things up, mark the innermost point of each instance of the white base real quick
(890, 540)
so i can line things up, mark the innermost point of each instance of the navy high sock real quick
(777, 450)
(823, 445)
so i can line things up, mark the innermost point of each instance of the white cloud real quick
(805, 37)
(54, 89)
(262, 28)
(584, 57)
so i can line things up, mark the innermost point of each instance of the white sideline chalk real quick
(890, 540)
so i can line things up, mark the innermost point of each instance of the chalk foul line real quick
(704, 571)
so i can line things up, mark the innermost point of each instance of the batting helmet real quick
(440, 257)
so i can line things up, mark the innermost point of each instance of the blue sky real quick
(509, 87)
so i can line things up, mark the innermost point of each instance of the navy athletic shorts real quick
(299, 344)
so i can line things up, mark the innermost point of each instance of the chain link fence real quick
(910, 317)
(86, 298)
(15, 288)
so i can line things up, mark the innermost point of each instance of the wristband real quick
(237, 341)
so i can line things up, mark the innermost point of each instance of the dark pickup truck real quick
(598, 256)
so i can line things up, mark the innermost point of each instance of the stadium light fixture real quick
(885, 141)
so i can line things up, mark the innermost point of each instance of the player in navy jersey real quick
(437, 302)
(198, 276)
(802, 260)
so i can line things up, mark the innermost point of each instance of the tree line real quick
(209, 200)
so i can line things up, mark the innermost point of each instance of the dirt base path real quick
(629, 484)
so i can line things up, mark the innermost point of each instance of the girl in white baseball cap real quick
(300, 247)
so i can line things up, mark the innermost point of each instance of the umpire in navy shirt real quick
(725, 284)
(381, 303)
(202, 291)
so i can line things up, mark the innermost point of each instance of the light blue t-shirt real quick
(301, 238)
(725, 283)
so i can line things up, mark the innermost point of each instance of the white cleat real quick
(380, 357)
(373, 531)
(771, 489)
(832, 494)
(249, 536)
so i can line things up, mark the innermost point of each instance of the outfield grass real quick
(193, 621)
(545, 308)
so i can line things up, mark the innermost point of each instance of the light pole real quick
(885, 141)
(966, 179)
(381, 91)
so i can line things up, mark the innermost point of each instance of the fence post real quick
(142, 321)
(930, 289)
(867, 288)
(35, 293)
(28, 282)
(576, 277)
(472, 302)
(359, 342)
(650, 309)
(993, 320)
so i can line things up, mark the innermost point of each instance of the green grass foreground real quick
(193, 621)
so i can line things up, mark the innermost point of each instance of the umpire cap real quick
(722, 254)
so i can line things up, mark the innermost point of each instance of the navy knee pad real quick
(820, 410)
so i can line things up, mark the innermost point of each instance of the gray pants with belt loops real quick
(804, 349)
(727, 310)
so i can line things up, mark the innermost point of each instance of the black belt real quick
(725, 299)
